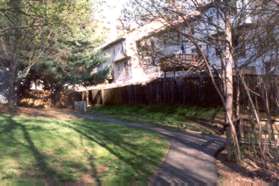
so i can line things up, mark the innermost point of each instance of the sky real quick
(110, 13)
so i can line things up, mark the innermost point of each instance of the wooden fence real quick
(179, 91)
(196, 91)
(260, 93)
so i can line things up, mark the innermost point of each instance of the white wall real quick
(111, 54)
(203, 29)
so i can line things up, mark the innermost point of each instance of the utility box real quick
(80, 106)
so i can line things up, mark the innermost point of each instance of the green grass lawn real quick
(41, 151)
(192, 118)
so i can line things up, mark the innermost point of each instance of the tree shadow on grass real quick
(50, 175)
(111, 138)
(138, 159)
(91, 159)
(9, 131)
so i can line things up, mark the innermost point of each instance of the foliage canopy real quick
(53, 41)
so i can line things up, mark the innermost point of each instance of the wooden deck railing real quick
(177, 62)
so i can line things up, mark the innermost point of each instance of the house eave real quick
(122, 59)
(110, 44)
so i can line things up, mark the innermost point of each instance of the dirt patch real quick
(249, 173)
(102, 169)
(85, 180)
(61, 114)
(64, 114)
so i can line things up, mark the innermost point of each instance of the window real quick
(195, 50)
(210, 19)
(271, 67)
(171, 37)
(192, 30)
(239, 45)
(121, 70)
(218, 52)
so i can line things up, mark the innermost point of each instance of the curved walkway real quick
(190, 160)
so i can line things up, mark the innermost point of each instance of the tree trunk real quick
(14, 40)
(239, 126)
(256, 116)
(232, 140)
(269, 124)
(12, 97)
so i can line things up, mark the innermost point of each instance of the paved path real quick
(190, 160)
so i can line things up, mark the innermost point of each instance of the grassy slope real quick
(35, 151)
(171, 116)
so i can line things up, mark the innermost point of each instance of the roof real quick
(123, 59)
(153, 27)
(111, 43)
(167, 25)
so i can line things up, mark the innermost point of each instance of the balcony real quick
(181, 62)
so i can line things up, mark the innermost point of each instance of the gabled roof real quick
(111, 43)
